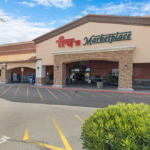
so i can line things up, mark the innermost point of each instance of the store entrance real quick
(80, 75)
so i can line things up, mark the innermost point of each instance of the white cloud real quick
(84, 12)
(79, 16)
(53, 22)
(26, 3)
(19, 29)
(130, 9)
(6, 0)
(63, 4)
(42, 2)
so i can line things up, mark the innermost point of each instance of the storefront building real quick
(92, 46)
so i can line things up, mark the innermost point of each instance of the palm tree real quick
(2, 20)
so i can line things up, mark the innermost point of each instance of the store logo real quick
(108, 38)
(61, 42)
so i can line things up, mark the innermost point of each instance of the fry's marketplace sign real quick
(119, 36)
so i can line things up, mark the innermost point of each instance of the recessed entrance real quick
(88, 73)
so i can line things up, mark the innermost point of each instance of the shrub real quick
(118, 127)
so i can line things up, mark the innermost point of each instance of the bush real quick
(113, 79)
(118, 127)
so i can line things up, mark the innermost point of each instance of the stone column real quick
(126, 73)
(59, 74)
(5, 74)
(40, 73)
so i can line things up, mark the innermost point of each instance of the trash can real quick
(100, 85)
(69, 80)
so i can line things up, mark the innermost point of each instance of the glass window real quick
(88, 69)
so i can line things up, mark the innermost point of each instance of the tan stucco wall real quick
(140, 37)
(16, 65)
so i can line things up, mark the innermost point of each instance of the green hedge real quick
(118, 127)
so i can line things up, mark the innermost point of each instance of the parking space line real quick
(40, 95)
(2, 86)
(6, 90)
(3, 110)
(80, 118)
(48, 146)
(64, 93)
(62, 136)
(16, 91)
(26, 137)
(89, 94)
(102, 94)
(75, 94)
(27, 93)
(52, 94)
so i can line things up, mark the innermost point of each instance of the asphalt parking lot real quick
(43, 118)
(24, 94)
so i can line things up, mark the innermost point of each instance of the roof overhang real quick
(109, 49)
(127, 20)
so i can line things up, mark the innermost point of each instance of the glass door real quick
(87, 77)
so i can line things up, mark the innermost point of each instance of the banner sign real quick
(119, 36)
(61, 42)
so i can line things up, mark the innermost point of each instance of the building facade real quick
(94, 45)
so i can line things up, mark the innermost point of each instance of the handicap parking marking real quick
(75, 94)
(52, 94)
(64, 93)
(4, 139)
(16, 91)
(79, 118)
(40, 95)
(6, 90)
(89, 94)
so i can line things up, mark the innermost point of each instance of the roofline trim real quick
(109, 49)
(19, 43)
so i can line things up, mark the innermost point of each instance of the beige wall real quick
(16, 65)
(140, 37)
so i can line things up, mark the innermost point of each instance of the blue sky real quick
(28, 19)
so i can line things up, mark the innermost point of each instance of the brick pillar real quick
(59, 74)
(5, 74)
(126, 73)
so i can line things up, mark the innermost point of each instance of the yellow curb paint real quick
(89, 94)
(80, 118)
(102, 94)
(64, 93)
(6, 90)
(40, 95)
(52, 94)
(2, 86)
(27, 93)
(26, 137)
(4, 110)
(75, 94)
(16, 91)
(62, 136)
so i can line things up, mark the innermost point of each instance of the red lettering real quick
(61, 42)
(77, 42)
